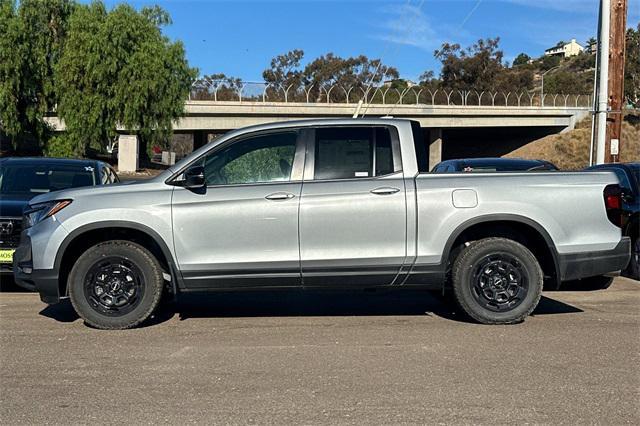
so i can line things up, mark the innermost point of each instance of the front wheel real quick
(115, 285)
(497, 281)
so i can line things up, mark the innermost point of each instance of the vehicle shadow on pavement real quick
(548, 306)
(352, 303)
(61, 312)
(307, 303)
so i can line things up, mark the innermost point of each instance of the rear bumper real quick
(589, 264)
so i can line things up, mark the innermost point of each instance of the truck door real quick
(353, 210)
(241, 230)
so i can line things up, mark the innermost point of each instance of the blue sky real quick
(239, 38)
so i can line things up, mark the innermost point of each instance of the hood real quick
(72, 193)
(13, 205)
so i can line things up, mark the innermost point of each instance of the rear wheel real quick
(115, 285)
(497, 281)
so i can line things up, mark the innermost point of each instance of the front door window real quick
(260, 159)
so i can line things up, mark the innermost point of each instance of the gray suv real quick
(320, 204)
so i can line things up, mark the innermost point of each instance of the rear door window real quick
(353, 152)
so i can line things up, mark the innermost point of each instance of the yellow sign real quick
(6, 256)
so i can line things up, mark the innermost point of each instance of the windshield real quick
(24, 179)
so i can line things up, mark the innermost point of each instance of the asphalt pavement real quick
(325, 358)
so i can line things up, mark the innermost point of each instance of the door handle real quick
(280, 196)
(385, 190)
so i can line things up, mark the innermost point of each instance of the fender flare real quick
(176, 277)
(503, 217)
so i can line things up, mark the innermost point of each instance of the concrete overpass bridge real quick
(451, 131)
(487, 127)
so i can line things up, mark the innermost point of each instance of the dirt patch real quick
(570, 150)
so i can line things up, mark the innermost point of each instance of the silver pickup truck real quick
(344, 203)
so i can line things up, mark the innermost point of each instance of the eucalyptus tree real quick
(117, 69)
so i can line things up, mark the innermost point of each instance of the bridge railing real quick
(249, 91)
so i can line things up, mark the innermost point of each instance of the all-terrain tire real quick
(481, 266)
(149, 280)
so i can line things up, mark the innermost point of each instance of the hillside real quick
(570, 150)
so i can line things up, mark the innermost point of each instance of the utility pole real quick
(616, 78)
(601, 102)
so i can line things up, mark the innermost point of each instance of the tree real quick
(521, 59)
(357, 74)
(285, 70)
(582, 62)
(514, 80)
(473, 68)
(217, 87)
(549, 62)
(632, 67)
(31, 42)
(117, 69)
(427, 77)
(568, 83)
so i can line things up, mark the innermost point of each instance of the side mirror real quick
(194, 177)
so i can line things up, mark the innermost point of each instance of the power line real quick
(411, 26)
(464, 21)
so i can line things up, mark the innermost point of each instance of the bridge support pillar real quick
(199, 139)
(435, 147)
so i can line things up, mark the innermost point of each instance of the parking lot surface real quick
(338, 358)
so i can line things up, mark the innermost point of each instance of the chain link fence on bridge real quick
(249, 91)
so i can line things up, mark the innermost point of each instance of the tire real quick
(497, 281)
(115, 285)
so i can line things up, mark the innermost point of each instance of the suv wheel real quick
(115, 285)
(497, 281)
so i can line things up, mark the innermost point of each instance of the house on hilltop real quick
(565, 50)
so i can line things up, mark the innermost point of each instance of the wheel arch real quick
(519, 228)
(88, 235)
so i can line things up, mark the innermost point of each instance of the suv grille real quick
(10, 229)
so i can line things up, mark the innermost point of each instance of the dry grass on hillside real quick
(570, 150)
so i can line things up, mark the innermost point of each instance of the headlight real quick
(38, 212)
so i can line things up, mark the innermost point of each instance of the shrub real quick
(60, 146)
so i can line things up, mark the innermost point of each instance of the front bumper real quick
(590, 264)
(45, 281)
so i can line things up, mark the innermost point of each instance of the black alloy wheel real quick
(113, 286)
(499, 282)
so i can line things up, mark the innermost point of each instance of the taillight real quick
(613, 204)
